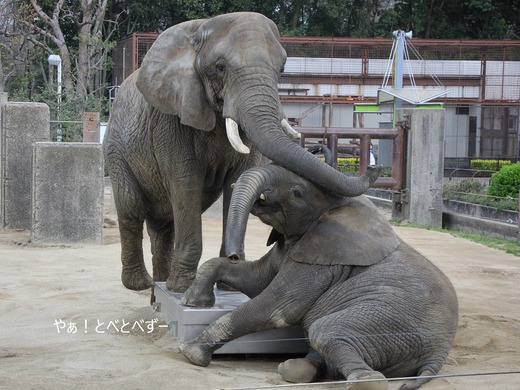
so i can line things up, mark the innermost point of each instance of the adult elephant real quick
(166, 147)
(370, 305)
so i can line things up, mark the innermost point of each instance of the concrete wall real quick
(67, 195)
(425, 165)
(22, 125)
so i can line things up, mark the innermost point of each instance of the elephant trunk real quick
(262, 124)
(246, 192)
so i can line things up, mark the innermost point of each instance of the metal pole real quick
(55, 60)
(59, 136)
(398, 68)
(400, 36)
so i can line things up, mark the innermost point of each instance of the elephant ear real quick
(355, 234)
(168, 80)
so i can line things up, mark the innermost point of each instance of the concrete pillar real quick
(67, 196)
(22, 125)
(424, 165)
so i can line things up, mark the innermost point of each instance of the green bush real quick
(349, 165)
(505, 182)
(488, 165)
(475, 191)
(471, 186)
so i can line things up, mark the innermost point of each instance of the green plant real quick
(348, 165)
(465, 186)
(488, 165)
(505, 182)
(475, 191)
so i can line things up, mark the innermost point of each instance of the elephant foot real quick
(136, 280)
(196, 353)
(377, 381)
(298, 371)
(196, 298)
(179, 281)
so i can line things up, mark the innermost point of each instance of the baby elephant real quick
(370, 305)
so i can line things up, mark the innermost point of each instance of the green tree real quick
(465, 19)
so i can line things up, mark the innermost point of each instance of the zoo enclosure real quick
(483, 77)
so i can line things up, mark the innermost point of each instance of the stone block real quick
(67, 196)
(22, 125)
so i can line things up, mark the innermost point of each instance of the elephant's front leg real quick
(283, 303)
(249, 277)
(188, 236)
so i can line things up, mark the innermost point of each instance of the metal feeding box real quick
(187, 323)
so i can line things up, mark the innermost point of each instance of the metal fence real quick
(467, 179)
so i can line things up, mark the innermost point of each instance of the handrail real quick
(365, 135)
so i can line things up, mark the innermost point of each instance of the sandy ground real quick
(67, 322)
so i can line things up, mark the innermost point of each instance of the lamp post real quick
(55, 60)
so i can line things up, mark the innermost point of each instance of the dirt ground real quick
(67, 322)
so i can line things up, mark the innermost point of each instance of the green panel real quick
(431, 106)
(369, 107)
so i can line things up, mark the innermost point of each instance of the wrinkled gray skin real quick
(166, 147)
(370, 305)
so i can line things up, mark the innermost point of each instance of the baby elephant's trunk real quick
(246, 192)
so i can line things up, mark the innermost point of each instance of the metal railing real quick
(365, 135)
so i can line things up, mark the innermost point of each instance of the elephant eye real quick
(297, 192)
(220, 68)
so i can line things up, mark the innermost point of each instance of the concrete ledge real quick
(465, 223)
(67, 196)
(481, 211)
(470, 224)
(381, 203)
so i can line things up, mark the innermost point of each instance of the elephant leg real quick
(188, 236)
(131, 215)
(304, 370)
(134, 274)
(283, 303)
(161, 236)
(249, 277)
(342, 349)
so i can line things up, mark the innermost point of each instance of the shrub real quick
(471, 186)
(505, 182)
(475, 191)
(349, 165)
(489, 165)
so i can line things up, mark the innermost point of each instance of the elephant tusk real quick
(287, 128)
(262, 196)
(234, 137)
